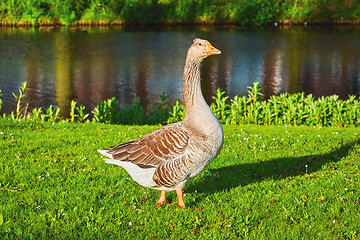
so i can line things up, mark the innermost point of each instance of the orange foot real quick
(180, 194)
(162, 199)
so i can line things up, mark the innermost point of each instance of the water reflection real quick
(64, 70)
(92, 65)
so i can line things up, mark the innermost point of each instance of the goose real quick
(168, 157)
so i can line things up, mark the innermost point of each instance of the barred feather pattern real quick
(165, 149)
(191, 79)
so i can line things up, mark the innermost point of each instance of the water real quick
(91, 65)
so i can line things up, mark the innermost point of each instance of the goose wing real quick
(162, 146)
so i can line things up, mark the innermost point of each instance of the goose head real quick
(200, 49)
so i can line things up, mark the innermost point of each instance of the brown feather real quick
(136, 156)
(163, 149)
(154, 149)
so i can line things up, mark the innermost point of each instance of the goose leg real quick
(180, 194)
(162, 199)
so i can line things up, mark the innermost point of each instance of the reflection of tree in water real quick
(63, 72)
(350, 72)
(38, 67)
(275, 74)
(271, 73)
(330, 69)
(95, 69)
(310, 63)
(141, 77)
(32, 77)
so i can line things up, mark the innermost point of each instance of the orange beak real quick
(210, 50)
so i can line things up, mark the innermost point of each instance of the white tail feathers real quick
(105, 152)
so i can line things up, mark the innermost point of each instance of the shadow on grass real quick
(280, 168)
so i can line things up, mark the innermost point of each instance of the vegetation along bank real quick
(114, 12)
(285, 109)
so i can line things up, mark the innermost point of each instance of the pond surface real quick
(95, 64)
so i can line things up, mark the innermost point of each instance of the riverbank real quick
(121, 23)
(176, 12)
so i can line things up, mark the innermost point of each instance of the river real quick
(90, 65)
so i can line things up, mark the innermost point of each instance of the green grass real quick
(53, 184)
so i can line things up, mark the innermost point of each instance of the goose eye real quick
(200, 44)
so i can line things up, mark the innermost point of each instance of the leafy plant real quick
(35, 114)
(20, 98)
(161, 113)
(177, 114)
(254, 93)
(72, 111)
(51, 115)
(81, 115)
(133, 114)
(220, 108)
(107, 111)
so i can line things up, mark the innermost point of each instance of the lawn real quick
(269, 182)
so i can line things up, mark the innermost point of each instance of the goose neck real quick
(192, 87)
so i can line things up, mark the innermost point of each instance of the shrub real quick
(107, 111)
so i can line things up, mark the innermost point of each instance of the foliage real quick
(269, 182)
(161, 114)
(220, 108)
(107, 111)
(20, 98)
(177, 114)
(254, 12)
(35, 114)
(81, 115)
(285, 109)
(320, 10)
(290, 109)
(51, 115)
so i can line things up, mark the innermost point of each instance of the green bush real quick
(254, 12)
(107, 111)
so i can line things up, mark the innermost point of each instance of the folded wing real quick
(155, 149)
